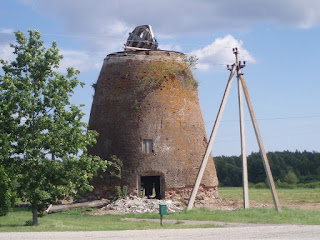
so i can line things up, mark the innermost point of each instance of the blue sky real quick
(278, 38)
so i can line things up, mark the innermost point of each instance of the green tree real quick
(291, 178)
(290, 168)
(5, 193)
(45, 142)
(7, 123)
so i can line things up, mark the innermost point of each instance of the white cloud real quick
(6, 52)
(111, 36)
(220, 52)
(80, 60)
(6, 30)
(104, 25)
(173, 18)
(172, 47)
(6, 37)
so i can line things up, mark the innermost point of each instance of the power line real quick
(211, 62)
(268, 137)
(78, 36)
(296, 117)
(274, 118)
(120, 38)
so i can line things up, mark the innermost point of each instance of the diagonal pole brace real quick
(242, 86)
(212, 137)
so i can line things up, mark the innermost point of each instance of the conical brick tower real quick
(147, 113)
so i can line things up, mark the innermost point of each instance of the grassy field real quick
(19, 220)
(253, 215)
(297, 195)
(79, 220)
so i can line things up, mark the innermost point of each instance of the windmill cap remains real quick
(141, 38)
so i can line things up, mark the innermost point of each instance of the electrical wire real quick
(267, 119)
(94, 53)
(119, 38)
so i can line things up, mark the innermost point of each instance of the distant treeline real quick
(289, 169)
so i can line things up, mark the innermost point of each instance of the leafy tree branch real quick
(43, 141)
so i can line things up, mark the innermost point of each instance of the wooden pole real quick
(242, 87)
(259, 139)
(242, 134)
(243, 147)
(212, 137)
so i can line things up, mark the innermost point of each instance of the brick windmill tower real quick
(147, 113)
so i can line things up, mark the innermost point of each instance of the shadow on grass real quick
(28, 223)
(17, 217)
(13, 225)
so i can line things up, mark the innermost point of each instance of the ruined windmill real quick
(147, 113)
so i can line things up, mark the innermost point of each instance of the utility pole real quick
(212, 137)
(262, 150)
(245, 184)
(242, 87)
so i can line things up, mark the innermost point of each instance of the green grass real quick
(76, 220)
(296, 195)
(253, 215)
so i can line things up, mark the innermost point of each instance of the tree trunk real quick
(35, 216)
(66, 207)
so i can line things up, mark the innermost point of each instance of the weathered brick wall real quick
(150, 95)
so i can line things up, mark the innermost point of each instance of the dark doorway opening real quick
(151, 187)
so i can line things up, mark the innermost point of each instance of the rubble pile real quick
(133, 204)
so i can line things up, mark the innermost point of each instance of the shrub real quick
(260, 185)
(280, 184)
(291, 178)
(120, 192)
(309, 185)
